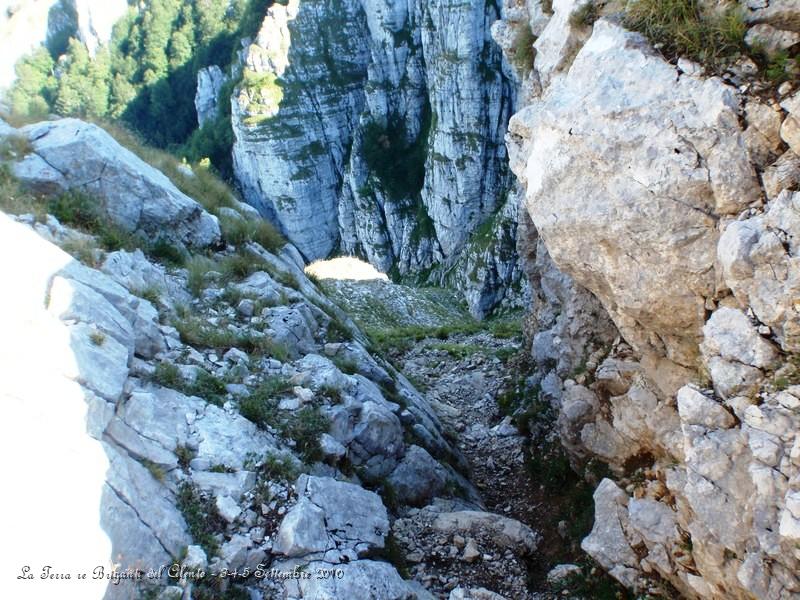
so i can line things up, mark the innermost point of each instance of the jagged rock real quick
(643, 159)
(134, 272)
(224, 484)
(227, 508)
(293, 327)
(195, 558)
(418, 477)
(734, 352)
(505, 532)
(769, 38)
(302, 531)
(71, 154)
(331, 448)
(696, 409)
(779, 13)
(376, 440)
(332, 516)
(561, 572)
(783, 174)
(762, 135)
(135, 501)
(559, 40)
(607, 542)
(238, 553)
(790, 129)
(262, 286)
(761, 268)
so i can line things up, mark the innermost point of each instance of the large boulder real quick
(70, 154)
(624, 177)
(340, 521)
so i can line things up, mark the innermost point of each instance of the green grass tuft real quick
(684, 28)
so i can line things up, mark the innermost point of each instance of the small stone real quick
(257, 534)
(246, 308)
(459, 542)
(562, 572)
(289, 404)
(562, 529)
(471, 552)
(228, 508)
(234, 355)
(303, 394)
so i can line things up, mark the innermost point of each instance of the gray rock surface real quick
(692, 257)
(70, 154)
(339, 519)
(206, 99)
(359, 79)
(624, 133)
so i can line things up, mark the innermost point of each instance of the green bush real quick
(84, 251)
(196, 332)
(261, 406)
(305, 427)
(240, 265)
(168, 253)
(208, 387)
(198, 267)
(201, 516)
(397, 161)
(523, 47)
(168, 375)
(14, 147)
(77, 209)
(585, 16)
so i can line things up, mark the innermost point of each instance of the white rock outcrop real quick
(669, 197)
(70, 154)
(658, 149)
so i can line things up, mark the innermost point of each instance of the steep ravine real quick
(377, 129)
(229, 416)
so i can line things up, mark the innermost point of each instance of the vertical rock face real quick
(209, 84)
(660, 242)
(294, 113)
(377, 128)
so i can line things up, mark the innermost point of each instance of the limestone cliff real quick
(377, 128)
(664, 215)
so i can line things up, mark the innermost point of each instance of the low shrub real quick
(201, 516)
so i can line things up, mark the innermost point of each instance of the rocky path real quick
(463, 378)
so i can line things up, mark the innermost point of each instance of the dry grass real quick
(683, 28)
